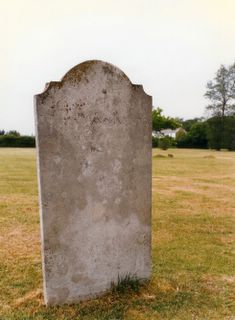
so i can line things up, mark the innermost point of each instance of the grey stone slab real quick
(93, 131)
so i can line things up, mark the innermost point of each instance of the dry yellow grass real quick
(193, 243)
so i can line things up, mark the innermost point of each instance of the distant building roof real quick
(166, 132)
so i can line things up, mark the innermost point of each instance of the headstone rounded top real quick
(80, 70)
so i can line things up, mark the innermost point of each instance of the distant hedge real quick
(12, 141)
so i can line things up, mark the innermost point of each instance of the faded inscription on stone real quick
(93, 132)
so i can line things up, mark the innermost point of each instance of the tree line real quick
(217, 131)
(13, 139)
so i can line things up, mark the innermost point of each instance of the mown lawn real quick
(193, 246)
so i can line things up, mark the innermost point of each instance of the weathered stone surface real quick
(93, 132)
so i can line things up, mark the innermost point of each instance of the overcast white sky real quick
(172, 47)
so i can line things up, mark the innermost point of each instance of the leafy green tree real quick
(166, 142)
(187, 124)
(13, 133)
(215, 132)
(195, 138)
(198, 135)
(228, 140)
(155, 142)
(161, 122)
(221, 134)
(211, 133)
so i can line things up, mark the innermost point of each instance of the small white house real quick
(166, 133)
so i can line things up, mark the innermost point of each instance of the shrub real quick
(154, 142)
(14, 141)
(195, 138)
(166, 142)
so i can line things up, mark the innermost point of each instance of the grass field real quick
(193, 245)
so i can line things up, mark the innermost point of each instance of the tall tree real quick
(221, 92)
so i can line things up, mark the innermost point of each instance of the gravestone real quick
(93, 131)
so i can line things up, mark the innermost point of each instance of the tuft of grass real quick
(126, 284)
(209, 157)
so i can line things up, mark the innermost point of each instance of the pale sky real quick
(172, 47)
